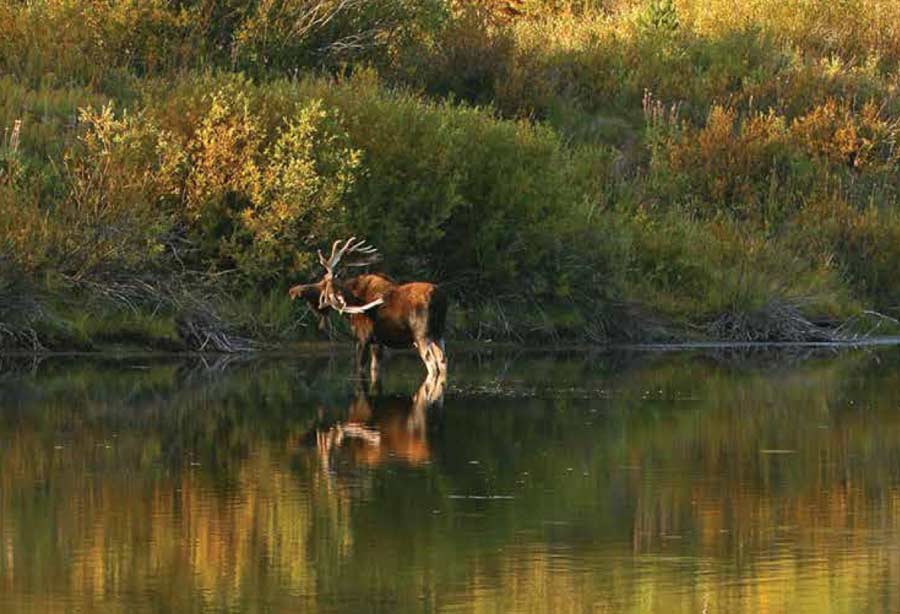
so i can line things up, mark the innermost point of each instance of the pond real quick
(704, 480)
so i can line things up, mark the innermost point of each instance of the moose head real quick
(326, 293)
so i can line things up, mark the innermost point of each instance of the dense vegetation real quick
(569, 169)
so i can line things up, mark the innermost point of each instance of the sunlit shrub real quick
(65, 41)
(264, 174)
(862, 140)
(741, 165)
(24, 233)
(104, 218)
(851, 28)
(109, 216)
(253, 197)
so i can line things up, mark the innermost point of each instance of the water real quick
(691, 481)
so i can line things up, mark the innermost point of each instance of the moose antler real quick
(365, 254)
(362, 255)
(342, 307)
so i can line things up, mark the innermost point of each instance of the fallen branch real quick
(777, 321)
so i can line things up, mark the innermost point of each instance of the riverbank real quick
(157, 340)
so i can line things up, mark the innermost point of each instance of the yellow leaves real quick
(730, 157)
(109, 216)
(24, 230)
(857, 138)
(223, 153)
(827, 131)
(173, 164)
(762, 166)
(279, 188)
(850, 28)
(247, 191)
(309, 168)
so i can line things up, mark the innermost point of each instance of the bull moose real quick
(382, 312)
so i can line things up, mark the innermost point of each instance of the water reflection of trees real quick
(179, 484)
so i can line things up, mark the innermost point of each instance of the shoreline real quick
(326, 348)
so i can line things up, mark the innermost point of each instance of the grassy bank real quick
(569, 170)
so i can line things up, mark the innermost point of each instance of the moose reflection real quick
(378, 429)
(381, 311)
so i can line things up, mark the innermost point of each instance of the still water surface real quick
(691, 481)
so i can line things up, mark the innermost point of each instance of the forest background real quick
(571, 171)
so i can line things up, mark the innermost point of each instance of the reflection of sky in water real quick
(613, 482)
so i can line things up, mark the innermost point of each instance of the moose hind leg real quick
(424, 348)
(441, 352)
(438, 357)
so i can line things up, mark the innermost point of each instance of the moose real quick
(382, 312)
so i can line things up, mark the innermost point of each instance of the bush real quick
(697, 271)
(862, 245)
(446, 192)
(743, 166)
(254, 197)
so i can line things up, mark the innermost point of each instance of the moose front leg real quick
(362, 352)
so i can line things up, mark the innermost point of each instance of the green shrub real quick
(862, 245)
(693, 270)
(257, 197)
